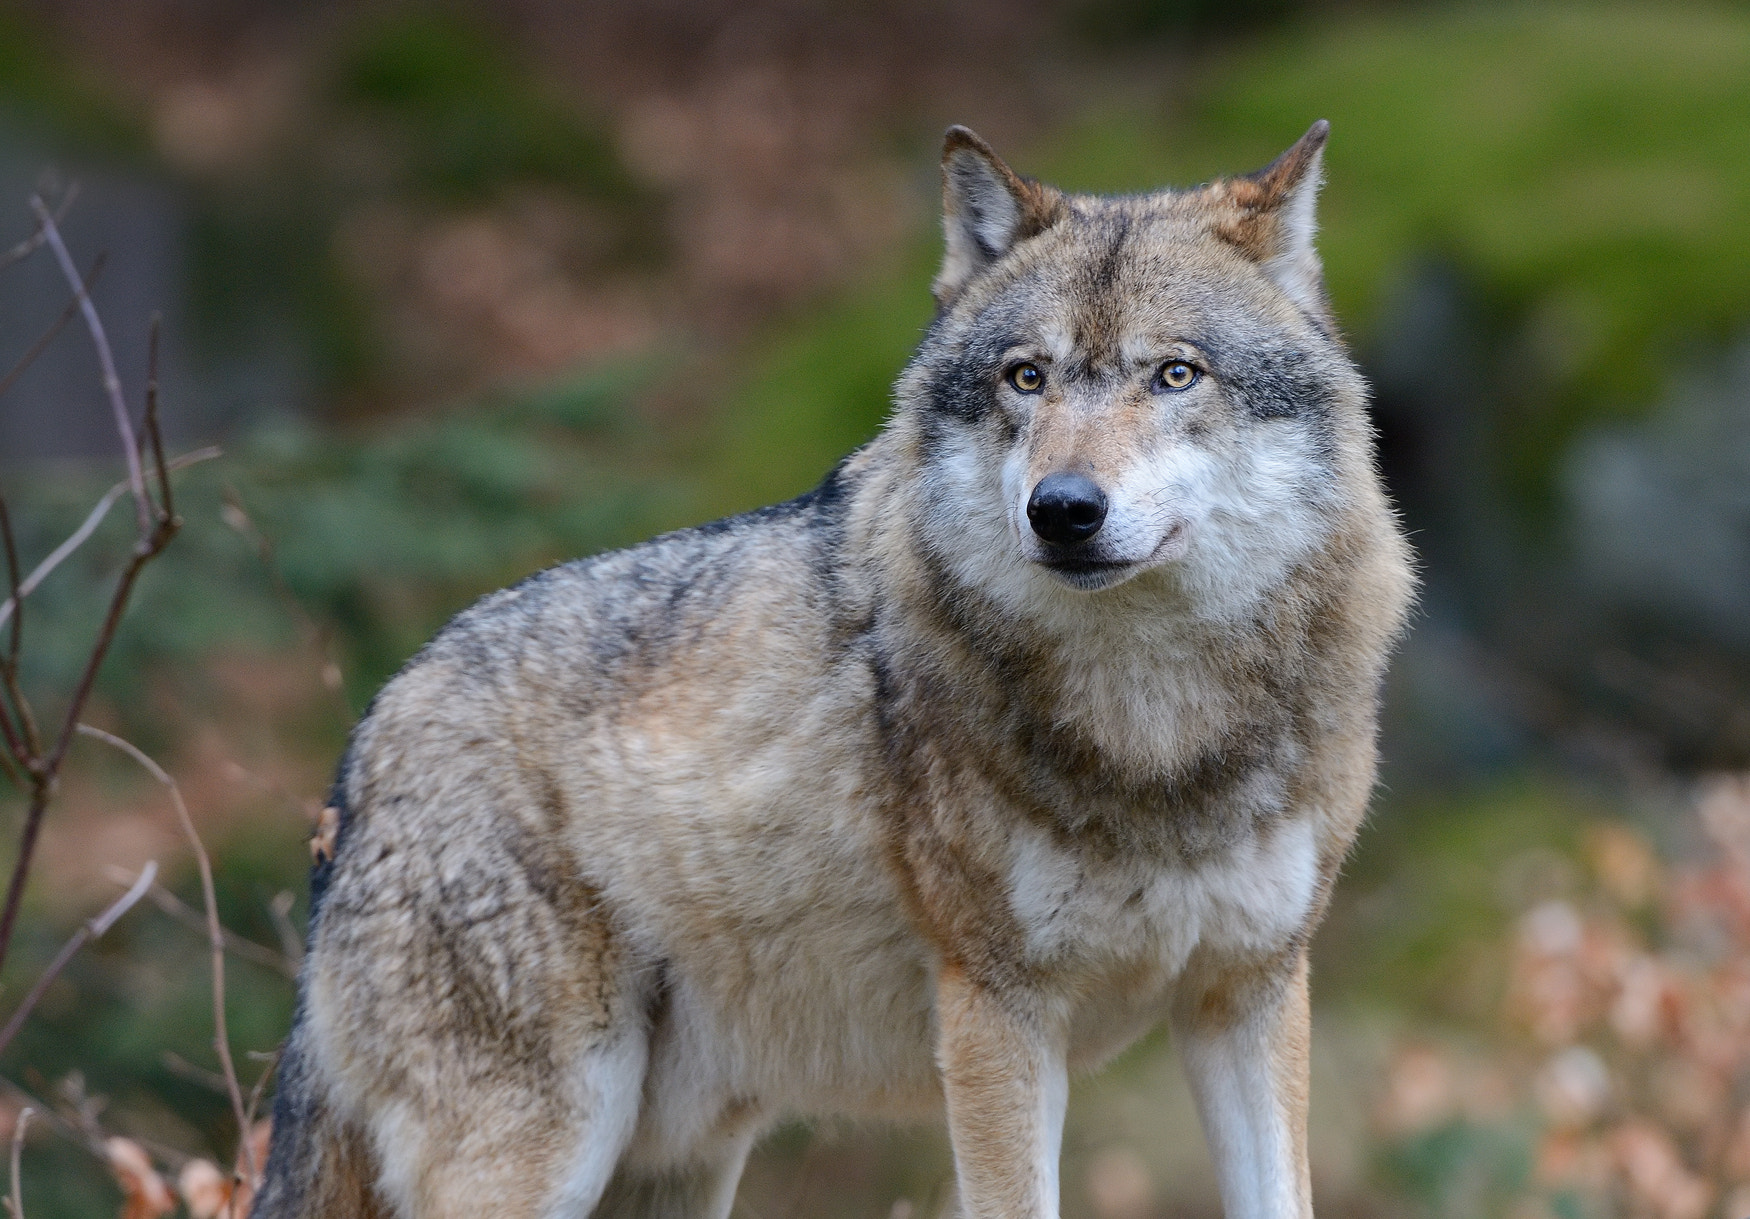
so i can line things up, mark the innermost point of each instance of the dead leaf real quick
(144, 1194)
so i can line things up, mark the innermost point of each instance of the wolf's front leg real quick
(1243, 1036)
(1003, 1069)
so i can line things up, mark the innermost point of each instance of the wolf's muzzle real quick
(1066, 508)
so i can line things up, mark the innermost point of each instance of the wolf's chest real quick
(1077, 914)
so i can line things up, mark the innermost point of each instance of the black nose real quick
(1066, 508)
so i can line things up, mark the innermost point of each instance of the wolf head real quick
(1143, 390)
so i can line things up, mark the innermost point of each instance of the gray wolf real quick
(1048, 716)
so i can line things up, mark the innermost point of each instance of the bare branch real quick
(91, 930)
(46, 1112)
(45, 769)
(152, 430)
(236, 945)
(15, 1195)
(12, 582)
(112, 384)
(92, 521)
(212, 1081)
(291, 943)
(29, 245)
(267, 1073)
(48, 336)
(215, 933)
(13, 738)
(21, 737)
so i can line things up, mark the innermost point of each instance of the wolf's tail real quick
(319, 1166)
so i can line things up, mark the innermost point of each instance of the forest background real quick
(462, 290)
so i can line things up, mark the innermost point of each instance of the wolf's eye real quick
(1027, 378)
(1176, 375)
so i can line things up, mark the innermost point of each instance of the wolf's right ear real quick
(986, 208)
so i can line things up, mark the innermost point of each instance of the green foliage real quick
(383, 534)
(1460, 1169)
(1431, 891)
(817, 391)
(44, 93)
(468, 117)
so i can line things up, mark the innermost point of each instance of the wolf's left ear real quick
(986, 208)
(1277, 218)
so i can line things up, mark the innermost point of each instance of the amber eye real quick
(1176, 374)
(1027, 378)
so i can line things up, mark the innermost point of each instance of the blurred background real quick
(465, 290)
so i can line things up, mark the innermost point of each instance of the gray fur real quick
(874, 801)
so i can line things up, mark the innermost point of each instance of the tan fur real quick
(882, 802)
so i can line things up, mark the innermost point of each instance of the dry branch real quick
(48, 336)
(91, 930)
(237, 945)
(89, 526)
(112, 383)
(31, 244)
(39, 765)
(215, 933)
(14, 1193)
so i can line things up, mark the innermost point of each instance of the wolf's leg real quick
(701, 1190)
(1243, 1039)
(318, 1164)
(1004, 1072)
(493, 1149)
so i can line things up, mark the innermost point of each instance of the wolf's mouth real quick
(1093, 571)
(1086, 573)
(1072, 565)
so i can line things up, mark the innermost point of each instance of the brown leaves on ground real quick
(212, 1194)
(144, 1193)
(1626, 1034)
(206, 1190)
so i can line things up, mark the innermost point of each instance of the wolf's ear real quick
(986, 208)
(1277, 218)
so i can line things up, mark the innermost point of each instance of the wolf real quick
(1048, 716)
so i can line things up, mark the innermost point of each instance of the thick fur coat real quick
(1048, 716)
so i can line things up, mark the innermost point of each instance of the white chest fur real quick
(1077, 913)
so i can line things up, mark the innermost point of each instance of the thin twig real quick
(21, 736)
(48, 336)
(90, 524)
(236, 945)
(112, 383)
(215, 933)
(45, 770)
(12, 582)
(153, 433)
(291, 943)
(212, 1081)
(29, 245)
(45, 1111)
(267, 1073)
(91, 930)
(15, 1194)
(13, 739)
(155, 530)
